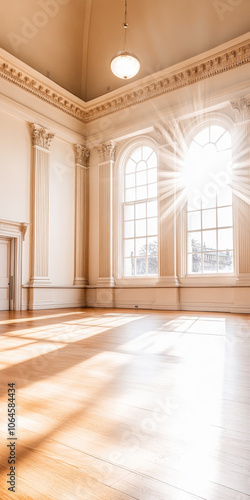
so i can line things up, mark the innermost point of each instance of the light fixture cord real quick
(125, 25)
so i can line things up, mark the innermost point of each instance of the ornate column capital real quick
(241, 109)
(81, 155)
(41, 137)
(106, 151)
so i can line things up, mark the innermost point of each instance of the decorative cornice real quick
(41, 137)
(241, 108)
(81, 155)
(106, 151)
(36, 87)
(168, 80)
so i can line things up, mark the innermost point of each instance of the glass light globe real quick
(125, 65)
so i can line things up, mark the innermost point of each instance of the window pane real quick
(195, 151)
(216, 132)
(130, 166)
(224, 197)
(129, 267)
(141, 227)
(210, 262)
(140, 210)
(140, 266)
(208, 218)
(209, 200)
(129, 212)
(152, 226)
(129, 248)
(129, 229)
(130, 180)
(194, 220)
(226, 262)
(141, 193)
(152, 246)
(152, 191)
(151, 208)
(152, 265)
(152, 161)
(142, 165)
(225, 162)
(152, 175)
(203, 137)
(136, 155)
(194, 242)
(140, 246)
(225, 239)
(225, 217)
(130, 194)
(194, 263)
(146, 152)
(209, 240)
(194, 203)
(224, 142)
(141, 178)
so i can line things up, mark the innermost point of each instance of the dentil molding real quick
(218, 61)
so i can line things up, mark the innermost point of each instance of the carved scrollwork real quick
(241, 108)
(41, 137)
(81, 155)
(106, 151)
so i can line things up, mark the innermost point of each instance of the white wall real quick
(62, 213)
(15, 169)
(15, 164)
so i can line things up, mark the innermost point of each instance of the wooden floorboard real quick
(122, 404)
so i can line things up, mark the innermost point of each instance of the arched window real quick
(209, 206)
(140, 226)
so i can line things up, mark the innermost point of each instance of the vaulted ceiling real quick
(73, 41)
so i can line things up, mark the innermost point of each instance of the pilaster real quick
(165, 137)
(241, 188)
(106, 154)
(81, 214)
(41, 142)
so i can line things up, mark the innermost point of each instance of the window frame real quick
(124, 155)
(217, 278)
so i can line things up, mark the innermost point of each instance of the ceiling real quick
(73, 41)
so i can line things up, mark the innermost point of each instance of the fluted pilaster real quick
(41, 142)
(81, 214)
(106, 154)
(165, 137)
(241, 187)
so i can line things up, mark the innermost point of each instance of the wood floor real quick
(122, 404)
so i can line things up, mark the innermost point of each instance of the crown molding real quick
(15, 71)
(219, 60)
(216, 61)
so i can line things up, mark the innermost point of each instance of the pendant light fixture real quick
(125, 64)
